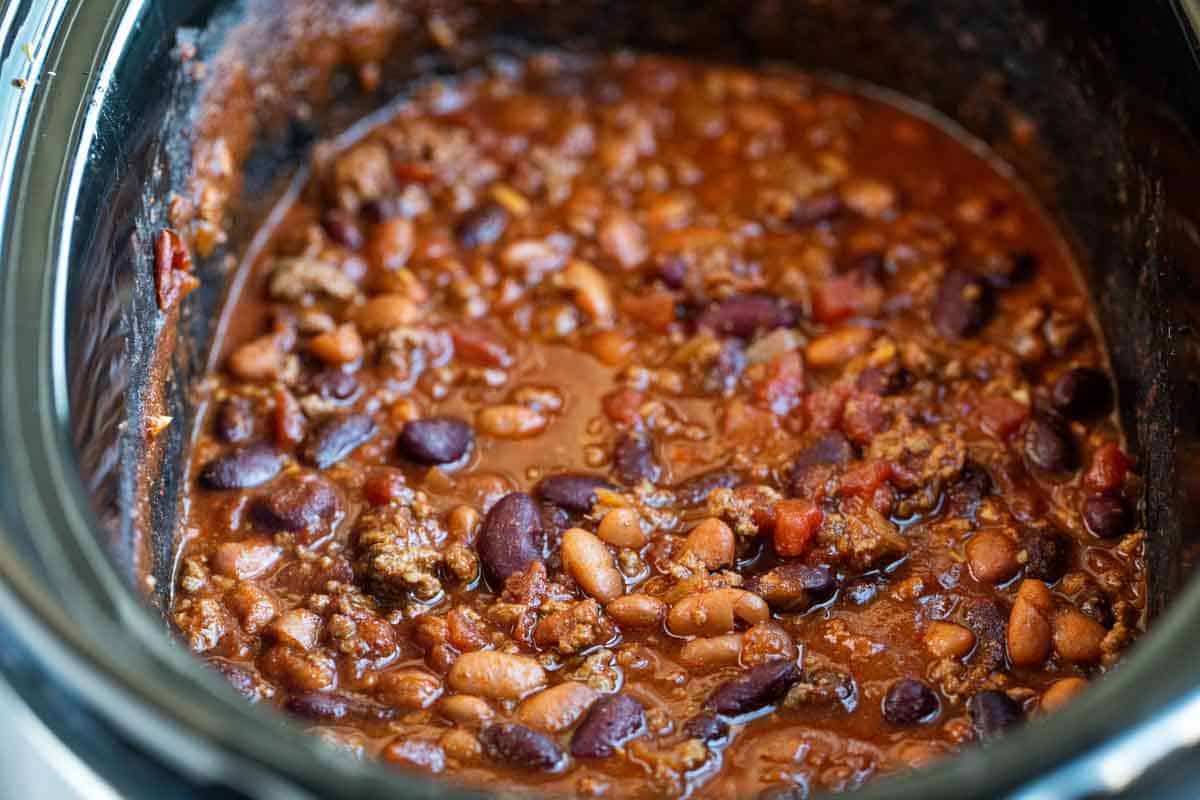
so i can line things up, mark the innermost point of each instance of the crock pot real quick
(99, 129)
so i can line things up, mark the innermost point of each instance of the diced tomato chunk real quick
(865, 480)
(796, 523)
(863, 416)
(1000, 417)
(824, 407)
(622, 405)
(1107, 472)
(845, 296)
(783, 383)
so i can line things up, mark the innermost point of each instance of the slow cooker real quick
(103, 122)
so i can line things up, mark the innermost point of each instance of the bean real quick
(1049, 446)
(243, 468)
(435, 440)
(341, 228)
(992, 557)
(831, 448)
(695, 491)
(245, 559)
(1081, 393)
(972, 485)
(712, 542)
(947, 640)
(744, 315)
(383, 312)
(342, 345)
(712, 651)
(496, 675)
(1047, 555)
(296, 505)
(707, 727)
(622, 527)
(510, 421)
(415, 753)
(556, 709)
(481, 226)
(1029, 631)
(465, 709)
(757, 687)
(764, 642)
(590, 288)
(1004, 270)
(1110, 465)
(479, 345)
(333, 384)
(1078, 637)
(963, 305)
(234, 421)
(1107, 516)
(519, 746)
(633, 459)
(409, 689)
(610, 723)
(909, 702)
(460, 745)
(637, 610)
(1061, 692)
(509, 540)
(337, 438)
(883, 381)
(390, 244)
(992, 711)
(868, 197)
(588, 561)
(794, 586)
(573, 491)
(672, 271)
(715, 611)
(815, 208)
(837, 347)
(334, 707)
(297, 627)
(260, 359)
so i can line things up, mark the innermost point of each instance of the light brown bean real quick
(510, 421)
(947, 640)
(1029, 630)
(711, 651)
(1077, 637)
(992, 557)
(715, 612)
(342, 345)
(297, 627)
(386, 311)
(465, 709)
(555, 709)
(837, 347)
(1061, 692)
(712, 541)
(500, 676)
(622, 527)
(637, 610)
(589, 562)
(460, 745)
(409, 688)
(259, 359)
(590, 290)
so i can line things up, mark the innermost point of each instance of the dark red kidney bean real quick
(784, 791)
(909, 702)
(744, 315)
(1048, 555)
(510, 538)
(244, 468)
(341, 227)
(298, 504)
(633, 459)
(758, 687)
(672, 271)
(963, 305)
(793, 586)
(234, 420)
(333, 384)
(481, 226)
(883, 381)
(609, 723)
(988, 620)
(695, 491)
(555, 519)
(332, 706)
(312, 577)
(1107, 516)
(381, 210)
(831, 448)
(721, 376)
(992, 711)
(573, 491)
(519, 746)
(336, 439)
(871, 267)
(1049, 446)
(968, 490)
(435, 440)
(1081, 393)
(707, 727)
(1003, 270)
(815, 208)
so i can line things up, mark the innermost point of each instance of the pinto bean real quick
(713, 542)
(1061, 692)
(947, 640)
(519, 746)
(622, 527)
(246, 559)
(992, 557)
(465, 709)
(637, 610)
(510, 421)
(496, 675)
(1077, 637)
(756, 688)
(711, 651)
(794, 586)
(435, 440)
(589, 562)
(337, 438)
(510, 538)
(1029, 631)
(243, 468)
(610, 722)
(573, 491)
(591, 290)
(556, 709)
(386, 311)
(714, 612)
(409, 689)
(260, 359)
(342, 345)
(837, 347)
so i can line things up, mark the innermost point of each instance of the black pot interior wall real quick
(1111, 160)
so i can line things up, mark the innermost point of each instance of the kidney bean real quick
(963, 305)
(1077, 637)
(707, 727)
(831, 448)
(519, 746)
(992, 711)
(556, 709)
(1082, 392)
(333, 384)
(1029, 631)
(744, 315)
(339, 226)
(1110, 465)
(482, 225)
(573, 491)
(637, 610)
(756, 688)
(510, 539)
(337, 438)
(334, 707)
(1004, 270)
(713, 542)
(1049, 446)
(815, 208)
(1061, 692)
(947, 640)
(695, 491)
(588, 561)
(794, 586)
(992, 556)
(297, 504)
(243, 468)
(910, 702)
(234, 421)
(883, 381)
(496, 675)
(633, 459)
(1047, 555)
(435, 440)
(1107, 516)
(610, 722)
(672, 271)
(715, 611)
